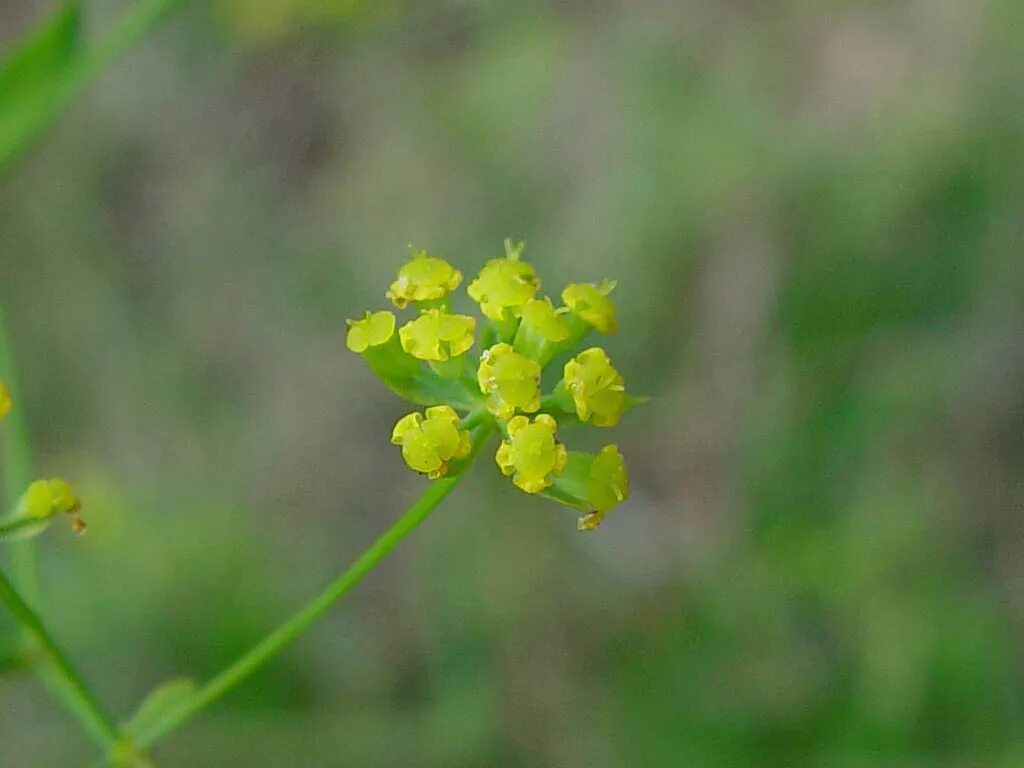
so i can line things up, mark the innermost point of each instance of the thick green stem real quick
(281, 637)
(76, 695)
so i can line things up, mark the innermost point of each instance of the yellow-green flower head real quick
(531, 455)
(428, 444)
(423, 278)
(608, 486)
(509, 380)
(548, 321)
(46, 498)
(5, 400)
(596, 387)
(593, 304)
(372, 331)
(504, 285)
(436, 335)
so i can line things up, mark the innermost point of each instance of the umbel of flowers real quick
(476, 376)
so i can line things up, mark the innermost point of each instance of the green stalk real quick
(281, 637)
(17, 456)
(129, 30)
(76, 696)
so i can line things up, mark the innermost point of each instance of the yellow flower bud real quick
(540, 315)
(504, 285)
(428, 444)
(423, 278)
(438, 336)
(607, 488)
(509, 380)
(372, 331)
(597, 389)
(5, 400)
(45, 498)
(592, 304)
(531, 455)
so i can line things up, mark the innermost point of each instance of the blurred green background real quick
(814, 212)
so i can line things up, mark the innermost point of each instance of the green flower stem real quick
(13, 526)
(17, 461)
(135, 25)
(74, 693)
(291, 629)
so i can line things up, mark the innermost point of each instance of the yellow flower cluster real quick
(499, 388)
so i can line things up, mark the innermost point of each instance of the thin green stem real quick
(135, 24)
(13, 526)
(281, 637)
(76, 696)
(17, 461)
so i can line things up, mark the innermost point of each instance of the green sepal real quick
(529, 343)
(570, 485)
(452, 368)
(593, 484)
(408, 378)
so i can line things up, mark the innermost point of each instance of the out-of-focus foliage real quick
(817, 208)
(33, 78)
(267, 20)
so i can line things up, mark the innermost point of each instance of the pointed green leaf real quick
(33, 79)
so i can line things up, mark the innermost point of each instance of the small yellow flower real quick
(46, 498)
(509, 380)
(608, 486)
(592, 304)
(428, 444)
(531, 454)
(504, 285)
(548, 321)
(596, 387)
(372, 331)
(438, 336)
(423, 278)
(5, 400)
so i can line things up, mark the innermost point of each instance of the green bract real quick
(429, 361)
